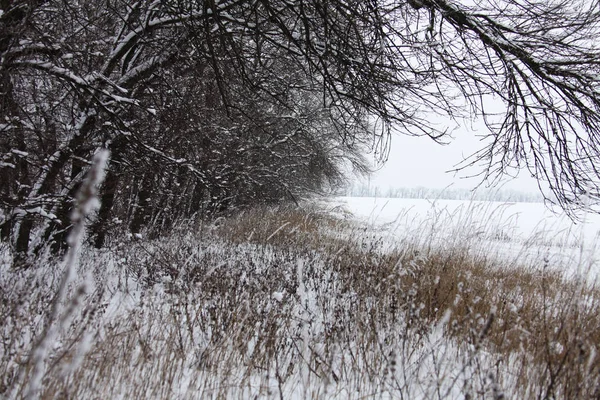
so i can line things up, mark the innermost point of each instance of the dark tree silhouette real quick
(209, 105)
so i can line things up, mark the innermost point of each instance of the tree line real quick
(448, 193)
(209, 106)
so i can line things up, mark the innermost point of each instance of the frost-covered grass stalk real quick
(293, 304)
(59, 315)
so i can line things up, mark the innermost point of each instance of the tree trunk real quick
(107, 201)
(142, 210)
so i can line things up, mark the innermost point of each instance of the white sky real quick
(419, 161)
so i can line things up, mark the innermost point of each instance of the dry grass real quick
(533, 312)
(289, 303)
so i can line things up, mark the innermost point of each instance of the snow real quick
(212, 345)
(278, 296)
(55, 70)
(121, 99)
(41, 212)
(509, 232)
(19, 152)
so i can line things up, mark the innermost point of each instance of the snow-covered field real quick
(514, 233)
(297, 304)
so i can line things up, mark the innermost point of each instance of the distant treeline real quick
(449, 193)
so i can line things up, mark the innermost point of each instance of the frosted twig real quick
(86, 201)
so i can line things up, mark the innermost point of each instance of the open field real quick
(511, 233)
(307, 303)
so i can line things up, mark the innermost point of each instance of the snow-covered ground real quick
(294, 305)
(514, 233)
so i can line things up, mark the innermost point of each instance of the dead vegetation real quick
(289, 302)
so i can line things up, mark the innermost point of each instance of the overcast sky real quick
(419, 161)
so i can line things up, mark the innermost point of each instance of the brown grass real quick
(533, 311)
(206, 299)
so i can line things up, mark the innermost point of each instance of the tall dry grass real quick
(291, 303)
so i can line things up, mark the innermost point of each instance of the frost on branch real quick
(211, 107)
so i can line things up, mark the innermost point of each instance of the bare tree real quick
(403, 61)
(541, 61)
(301, 81)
